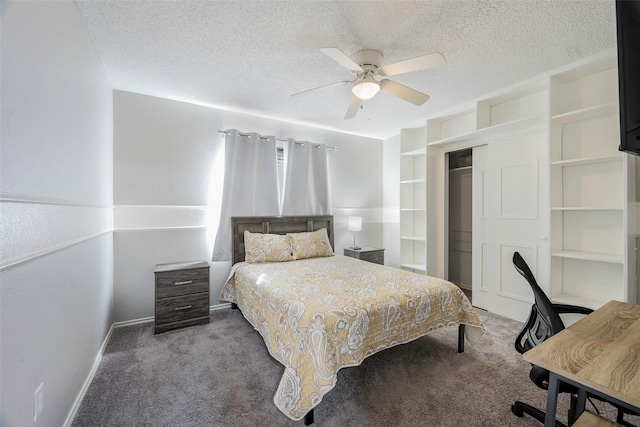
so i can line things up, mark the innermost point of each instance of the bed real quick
(319, 312)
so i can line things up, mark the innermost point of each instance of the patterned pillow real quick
(259, 247)
(310, 244)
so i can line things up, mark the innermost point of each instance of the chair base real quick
(521, 408)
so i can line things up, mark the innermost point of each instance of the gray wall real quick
(168, 183)
(56, 268)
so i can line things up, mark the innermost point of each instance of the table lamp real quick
(355, 224)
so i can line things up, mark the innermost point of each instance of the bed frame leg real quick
(234, 306)
(308, 418)
(461, 338)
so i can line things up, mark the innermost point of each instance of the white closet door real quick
(515, 203)
(480, 245)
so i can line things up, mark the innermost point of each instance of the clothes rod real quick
(226, 132)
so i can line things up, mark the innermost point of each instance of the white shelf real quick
(579, 301)
(418, 267)
(588, 161)
(412, 210)
(586, 113)
(464, 168)
(587, 69)
(414, 238)
(414, 153)
(413, 181)
(587, 208)
(492, 132)
(589, 256)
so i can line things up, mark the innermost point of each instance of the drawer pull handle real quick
(185, 307)
(186, 282)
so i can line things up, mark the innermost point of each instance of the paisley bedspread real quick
(319, 315)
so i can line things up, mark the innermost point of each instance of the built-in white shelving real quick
(592, 202)
(590, 259)
(493, 117)
(492, 132)
(413, 193)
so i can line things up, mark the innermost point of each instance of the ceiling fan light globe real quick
(366, 89)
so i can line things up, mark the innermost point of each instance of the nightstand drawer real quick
(183, 282)
(375, 255)
(169, 310)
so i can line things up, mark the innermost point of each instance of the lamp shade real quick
(355, 223)
(366, 89)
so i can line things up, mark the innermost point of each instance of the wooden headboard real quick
(275, 225)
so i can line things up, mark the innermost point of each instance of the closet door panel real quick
(518, 173)
(480, 255)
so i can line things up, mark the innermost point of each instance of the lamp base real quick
(355, 248)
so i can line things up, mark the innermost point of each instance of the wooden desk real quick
(599, 354)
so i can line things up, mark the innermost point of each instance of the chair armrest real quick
(565, 308)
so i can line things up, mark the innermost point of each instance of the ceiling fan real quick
(366, 65)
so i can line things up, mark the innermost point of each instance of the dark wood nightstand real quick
(375, 255)
(182, 295)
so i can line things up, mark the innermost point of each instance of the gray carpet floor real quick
(221, 375)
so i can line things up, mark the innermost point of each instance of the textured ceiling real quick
(250, 56)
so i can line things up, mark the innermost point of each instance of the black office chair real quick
(544, 321)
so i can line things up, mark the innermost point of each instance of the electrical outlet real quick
(38, 402)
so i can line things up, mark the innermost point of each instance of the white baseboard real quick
(83, 391)
(219, 306)
(96, 363)
(133, 322)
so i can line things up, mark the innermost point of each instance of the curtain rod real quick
(226, 132)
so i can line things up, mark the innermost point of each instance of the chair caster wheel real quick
(517, 412)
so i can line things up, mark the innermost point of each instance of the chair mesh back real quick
(539, 332)
(548, 322)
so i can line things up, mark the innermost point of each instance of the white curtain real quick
(250, 184)
(306, 183)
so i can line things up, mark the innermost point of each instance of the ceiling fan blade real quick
(403, 92)
(354, 104)
(416, 64)
(329, 86)
(342, 59)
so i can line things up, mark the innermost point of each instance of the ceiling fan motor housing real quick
(369, 60)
